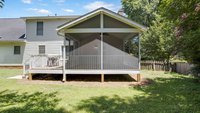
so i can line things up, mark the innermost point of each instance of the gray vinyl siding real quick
(51, 48)
(49, 30)
(7, 55)
(50, 39)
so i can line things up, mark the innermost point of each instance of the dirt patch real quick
(143, 82)
(79, 83)
(11, 67)
(91, 81)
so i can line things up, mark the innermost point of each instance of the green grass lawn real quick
(169, 93)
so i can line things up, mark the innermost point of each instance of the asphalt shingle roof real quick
(12, 29)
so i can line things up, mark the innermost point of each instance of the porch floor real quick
(85, 71)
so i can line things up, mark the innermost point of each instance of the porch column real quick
(68, 50)
(101, 51)
(64, 58)
(101, 23)
(139, 54)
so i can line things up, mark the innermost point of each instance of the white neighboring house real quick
(42, 37)
(93, 43)
(21, 37)
(12, 41)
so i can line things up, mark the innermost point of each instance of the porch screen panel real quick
(87, 54)
(114, 56)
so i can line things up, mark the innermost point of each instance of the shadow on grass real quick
(13, 102)
(165, 95)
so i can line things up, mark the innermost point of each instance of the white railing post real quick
(24, 70)
(31, 65)
(42, 57)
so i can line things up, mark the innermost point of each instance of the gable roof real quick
(98, 11)
(12, 29)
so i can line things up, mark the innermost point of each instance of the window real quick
(16, 50)
(67, 49)
(39, 29)
(70, 49)
(41, 49)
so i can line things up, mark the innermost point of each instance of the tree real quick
(132, 46)
(141, 11)
(158, 42)
(187, 15)
(1, 3)
(178, 27)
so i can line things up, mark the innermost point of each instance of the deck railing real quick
(83, 62)
(45, 61)
(109, 62)
(87, 62)
(120, 62)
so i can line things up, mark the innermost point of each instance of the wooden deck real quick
(83, 65)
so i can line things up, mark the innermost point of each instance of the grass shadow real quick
(14, 102)
(164, 95)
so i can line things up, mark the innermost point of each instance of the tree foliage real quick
(187, 15)
(178, 29)
(159, 42)
(131, 46)
(141, 11)
(2, 3)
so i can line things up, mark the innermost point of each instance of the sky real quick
(24, 8)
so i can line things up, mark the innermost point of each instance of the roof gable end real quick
(104, 11)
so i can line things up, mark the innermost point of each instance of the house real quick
(93, 43)
(12, 41)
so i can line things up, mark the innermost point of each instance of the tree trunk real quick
(169, 69)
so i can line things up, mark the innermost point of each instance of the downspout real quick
(64, 55)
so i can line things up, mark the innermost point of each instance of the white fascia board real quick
(104, 30)
(124, 19)
(79, 20)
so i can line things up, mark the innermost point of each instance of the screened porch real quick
(99, 42)
(88, 51)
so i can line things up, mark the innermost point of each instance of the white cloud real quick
(59, 1)
(40, 11)
(27, 1)
(98, 4)
(68, 10)
(43, 4)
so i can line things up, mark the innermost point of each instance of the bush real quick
(196, 71)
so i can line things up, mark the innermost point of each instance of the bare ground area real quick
(87, 80)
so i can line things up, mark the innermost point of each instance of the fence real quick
(178, 67)
(153, 65)
(183, 68)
